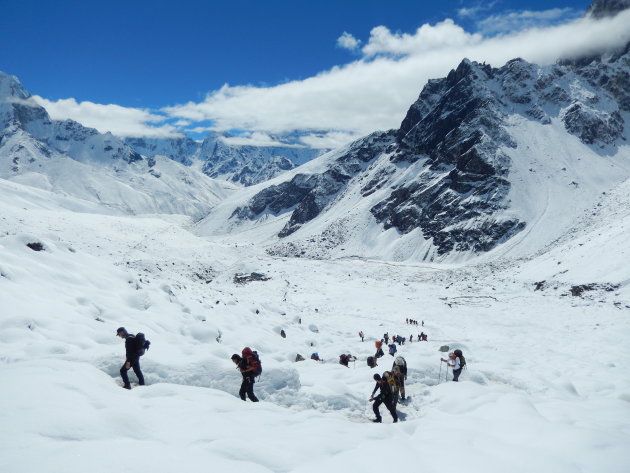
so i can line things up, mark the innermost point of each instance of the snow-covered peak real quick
(11, 88)
(607, 8)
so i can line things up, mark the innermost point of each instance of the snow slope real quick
(545, 388)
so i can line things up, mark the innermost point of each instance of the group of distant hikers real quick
(390, 385)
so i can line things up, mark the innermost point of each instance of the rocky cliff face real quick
(446, 171)
(606, 8)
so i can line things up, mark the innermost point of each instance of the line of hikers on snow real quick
(391, 385)
(422, 337)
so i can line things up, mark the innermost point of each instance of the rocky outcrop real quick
(607, 8)
(306, 195)
(446, 172)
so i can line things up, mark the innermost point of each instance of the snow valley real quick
(498, 215)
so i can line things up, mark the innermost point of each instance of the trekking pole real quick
(440, 375)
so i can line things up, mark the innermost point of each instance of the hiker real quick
(385, 397)
(345, 359)
(379, 350)
(455, 363)
(371, 361)
(282, 334)
(386, 338)
(132, 358)
(399, 368)
(392, 349)
(361, 335)
(249, 367)
(411, 338)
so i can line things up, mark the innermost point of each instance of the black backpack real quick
(460, 355)
(371, 361)
(142, 344)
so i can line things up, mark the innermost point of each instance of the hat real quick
(235, 357)
(377, 377)
(121, 329)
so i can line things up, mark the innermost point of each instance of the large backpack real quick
(462, 361)
(253, 360)
(142, 344)
(400, 361)
(391, 380)
(371, 361)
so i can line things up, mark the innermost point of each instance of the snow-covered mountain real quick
(68, 158)
(220, 159)
(484, 158)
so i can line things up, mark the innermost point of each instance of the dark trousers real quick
(247, 387)
(390, 407)
(456, 374)
(135, 364)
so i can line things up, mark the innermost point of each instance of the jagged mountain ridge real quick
(67, 158)
(242, 164)
(445, 181)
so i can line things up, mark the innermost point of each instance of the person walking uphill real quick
(132, 358)
(249, 366)
(456, 361)
(385, 397)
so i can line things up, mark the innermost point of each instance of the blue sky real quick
(259, 66)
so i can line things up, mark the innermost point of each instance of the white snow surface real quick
(546, 387)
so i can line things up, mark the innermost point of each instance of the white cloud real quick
(374, 93)
(516, 21)
(475, 10)
(329, 140)
(445, 34)
(121, 121)
(256, 139)
(347, 41)
(368, 94)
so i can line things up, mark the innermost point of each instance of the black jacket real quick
(386, 391)
(131, 347)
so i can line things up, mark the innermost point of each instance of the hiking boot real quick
(127, 386)
(376, 421)
(395, 420)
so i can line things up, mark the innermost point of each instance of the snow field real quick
(545, 388)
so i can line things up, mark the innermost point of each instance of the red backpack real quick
(252, 360)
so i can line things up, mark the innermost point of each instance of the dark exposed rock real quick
(307, 195)
(592, 125)
(607, 8)
(245, 278)
(35, 246)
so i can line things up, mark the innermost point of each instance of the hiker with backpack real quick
(399, 368)
(457, 362)
(385, 396)
(392, 349)
(249, 365)
(135, 346)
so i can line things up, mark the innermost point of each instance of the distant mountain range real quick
(487, 160)
(67, 158)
